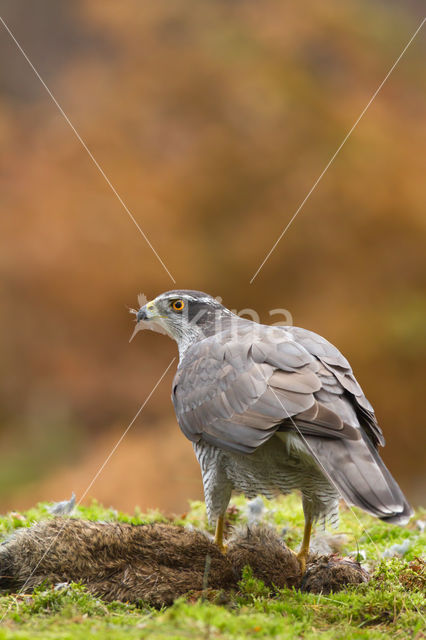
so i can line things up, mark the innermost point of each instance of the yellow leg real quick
(218, 538)
(304, 549)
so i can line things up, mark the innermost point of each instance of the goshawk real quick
(270, 409)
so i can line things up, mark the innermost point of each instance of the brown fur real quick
(152, 563)
(329, 573)
(270, 559)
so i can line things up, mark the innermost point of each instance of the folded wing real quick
(237, 391)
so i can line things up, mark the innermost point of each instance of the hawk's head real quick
(185, 315)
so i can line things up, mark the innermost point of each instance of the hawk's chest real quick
(270, 470)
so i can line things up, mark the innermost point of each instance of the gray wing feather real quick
(353, 465)
(236, 393)
(331, 359)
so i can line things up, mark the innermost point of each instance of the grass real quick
(390, 605)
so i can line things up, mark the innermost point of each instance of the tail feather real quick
(361, 476)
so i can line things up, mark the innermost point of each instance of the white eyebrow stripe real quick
(186, 297)
(173, 296)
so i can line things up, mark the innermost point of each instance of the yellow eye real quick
(178, 305)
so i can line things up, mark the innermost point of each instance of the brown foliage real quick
(212, 120)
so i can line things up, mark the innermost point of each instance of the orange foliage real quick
(212, 120)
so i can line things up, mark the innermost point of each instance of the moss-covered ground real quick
(390, 606)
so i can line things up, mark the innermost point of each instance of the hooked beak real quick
(141, 315)
(147, 312)
(148, 317)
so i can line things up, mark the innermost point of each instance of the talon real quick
(301, 558)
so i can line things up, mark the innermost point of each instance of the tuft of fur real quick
(154, 563)
(267, 554)
(327, 574)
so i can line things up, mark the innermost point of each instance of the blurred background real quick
(212, 120)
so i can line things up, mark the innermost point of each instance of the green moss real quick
(390, 605)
